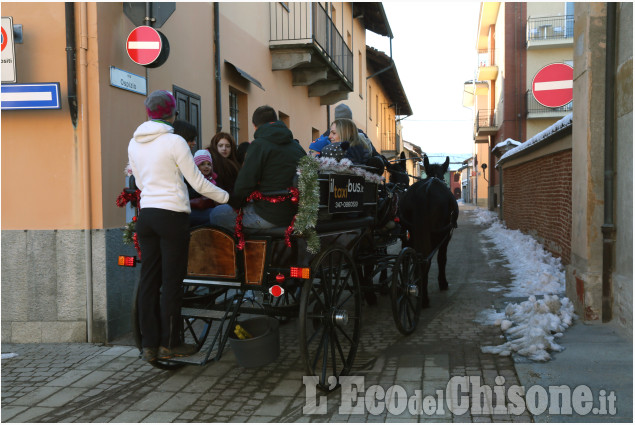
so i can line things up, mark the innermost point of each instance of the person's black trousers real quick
(164, 240)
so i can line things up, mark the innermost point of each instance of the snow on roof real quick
(505, 143)
(557, 126)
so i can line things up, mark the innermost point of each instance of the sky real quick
(434, 49)
(531, 327)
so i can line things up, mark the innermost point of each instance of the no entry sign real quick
(147, 46)
(553, 85)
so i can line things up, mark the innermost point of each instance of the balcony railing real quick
(550, 28)
(485, 118)
(388, 143)
(536, 109)
(303, 23)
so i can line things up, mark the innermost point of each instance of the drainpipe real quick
(219, 103)
(71, 80)
(87, 200)
(608, 228)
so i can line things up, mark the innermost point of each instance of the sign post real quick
(148, 47)
(8, 51)
(553, 85)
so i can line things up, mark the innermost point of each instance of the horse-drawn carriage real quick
(285, 276)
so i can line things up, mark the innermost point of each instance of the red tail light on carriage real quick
(300, 272)
(276, 290)
(127, 261)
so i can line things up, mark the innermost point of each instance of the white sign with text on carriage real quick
(346, 193)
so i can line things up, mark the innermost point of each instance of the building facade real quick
(514, 42)
(60, 280)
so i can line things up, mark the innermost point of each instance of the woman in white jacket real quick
(159, 160)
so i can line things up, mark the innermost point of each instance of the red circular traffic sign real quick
(553, 85)
(144, 45)
(4, 38)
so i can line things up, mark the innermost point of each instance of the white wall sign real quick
(128, 81)
(8, 51)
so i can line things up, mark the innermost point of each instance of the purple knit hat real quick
(160, 104)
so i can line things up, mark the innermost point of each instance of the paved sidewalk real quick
(95, 383)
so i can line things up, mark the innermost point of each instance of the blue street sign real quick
(31, 96)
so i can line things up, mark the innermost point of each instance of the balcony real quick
(549, 32)
(485, 123)
(304, 39)
(487, 68)
(535, 110)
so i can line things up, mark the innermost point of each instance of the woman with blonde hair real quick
(346, 142)
(226, 165)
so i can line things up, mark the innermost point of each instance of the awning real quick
(245, 75)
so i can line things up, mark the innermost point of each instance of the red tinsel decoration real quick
(125, 197)
(293, 195)
(121, 202)
(135, 240)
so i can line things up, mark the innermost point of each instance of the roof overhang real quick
(389, 79)
(374, 16)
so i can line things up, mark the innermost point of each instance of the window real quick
(457, 177)
(370, 102)
(359, 73)
(284, 118)
(234, 123)
(188, 105)
(315, 133)
(377, 109)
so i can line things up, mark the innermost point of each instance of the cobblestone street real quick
(86, 383)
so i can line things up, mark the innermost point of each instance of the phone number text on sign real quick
(346, 193)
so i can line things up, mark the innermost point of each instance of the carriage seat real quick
(332, 225)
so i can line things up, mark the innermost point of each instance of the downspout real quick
(219, 103)
(71, 77)
(83, 89)
(608, 228)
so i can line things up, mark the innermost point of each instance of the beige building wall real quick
(480, 187)
(545, 9)
(60, 282)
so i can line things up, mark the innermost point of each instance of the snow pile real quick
(8, 355)
(532, 325)
(535, 271)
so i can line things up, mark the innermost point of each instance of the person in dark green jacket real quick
(269, 166)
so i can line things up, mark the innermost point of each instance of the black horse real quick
(429, 212)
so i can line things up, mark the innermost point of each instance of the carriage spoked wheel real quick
(136, 333)
(330, 317)
(405, 291)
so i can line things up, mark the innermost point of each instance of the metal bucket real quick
(264, 346)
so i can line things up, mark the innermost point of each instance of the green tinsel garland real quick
(308, 204)
(128, 231)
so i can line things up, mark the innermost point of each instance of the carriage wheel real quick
(136, 334)
(406, 291)
(330, 317)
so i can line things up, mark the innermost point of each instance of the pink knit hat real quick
(202, 155)
(160, 104)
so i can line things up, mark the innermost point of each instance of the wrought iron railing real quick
(533, 107)
(303, 22)
(485, 118)
(550, 28)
